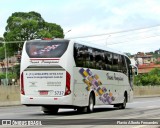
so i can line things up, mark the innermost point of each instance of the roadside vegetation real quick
(152, 78)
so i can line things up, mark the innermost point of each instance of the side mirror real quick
(135, 69)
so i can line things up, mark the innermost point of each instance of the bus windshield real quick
(46, 48)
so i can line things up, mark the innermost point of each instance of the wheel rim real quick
(91, 105)
(124, 103)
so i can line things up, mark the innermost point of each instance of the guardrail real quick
(10, 95)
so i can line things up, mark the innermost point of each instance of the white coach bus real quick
(61, 73)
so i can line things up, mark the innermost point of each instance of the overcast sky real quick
(96, 17)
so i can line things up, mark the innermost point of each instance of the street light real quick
(67, 32)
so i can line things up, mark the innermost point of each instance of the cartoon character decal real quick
(93, 81)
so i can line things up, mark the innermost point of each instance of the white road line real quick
(144, 101)
(140, 126)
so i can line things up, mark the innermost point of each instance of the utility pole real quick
(6, 58)
(67, 32)
(107, 39)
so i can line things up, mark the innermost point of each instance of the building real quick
(147, 61)
(143, 58)
(147, 68)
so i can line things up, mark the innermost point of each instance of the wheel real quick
(90, 107)
(122, 105)
(82, 109)
(50, 109)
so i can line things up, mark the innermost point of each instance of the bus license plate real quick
(43, 92)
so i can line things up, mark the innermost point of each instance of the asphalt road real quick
(135, 112)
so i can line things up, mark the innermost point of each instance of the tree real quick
(1, 41)
(152, 78)
(23, 26)
(2, 55)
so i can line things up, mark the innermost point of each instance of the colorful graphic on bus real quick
(44, 50)
(93, 81)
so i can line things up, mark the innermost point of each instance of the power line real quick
(114, 43)
(111, 33)
(133, 40)
(136, 29)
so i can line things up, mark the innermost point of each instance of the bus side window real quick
(86, 58)
(115, 62)
(120, 63)
(108, 60)
(124, 66)
(78, 55)
(91, 58)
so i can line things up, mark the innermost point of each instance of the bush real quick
(152, 78)
(16, 69)
(9, 75)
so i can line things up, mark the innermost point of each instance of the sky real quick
(124, 25)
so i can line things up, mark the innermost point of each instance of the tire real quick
(90, 107)
(50, 110)
(121, 105)
(82, 109)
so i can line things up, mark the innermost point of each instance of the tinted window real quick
(89, 57)
(46, 49)
(124, 66)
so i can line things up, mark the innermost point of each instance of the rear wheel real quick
(82, 109)
(122, 105)
(90, 107)
(50, 109)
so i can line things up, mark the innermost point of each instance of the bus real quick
(61, 73)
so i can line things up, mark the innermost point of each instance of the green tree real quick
(16, 70)
(23, 26)
(1, 41)
(152, 78)
(2, 55)
(2, 51)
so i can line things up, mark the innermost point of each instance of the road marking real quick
(140, 126)
(145, 101)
